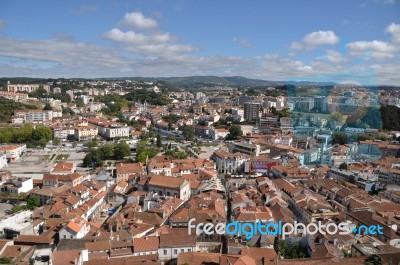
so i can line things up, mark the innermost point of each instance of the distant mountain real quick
(197, 81)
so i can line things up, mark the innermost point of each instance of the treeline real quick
(8, 106)
(96, 156)
(41, 93)
(390, 118)
(33, 137)
(151, 97)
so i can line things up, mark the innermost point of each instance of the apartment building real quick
(84, 133)
(252, 111)
(35, 116)
(29, 88)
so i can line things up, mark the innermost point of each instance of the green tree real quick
(188, 132)
(41, 132)
(373, 260)
(23, 134)
(159, 142)
(32, 202)
(339, 138)
(122, 150)
(235, 132)
(92, 159)
(343, 166)
(6, 135)
(56, 141)
(107, 151)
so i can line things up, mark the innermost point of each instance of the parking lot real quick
(42, 161)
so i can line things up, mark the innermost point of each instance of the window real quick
(165, 252)
(175, 251)
(189, 250)
(168, 193)
(182, 250)
(65, 236)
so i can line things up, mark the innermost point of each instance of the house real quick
(169, 186)
(218, 134)
(13, 152)
(55, 180)
(146, 245)
(84, 133)
(17, 185)
(76, 228)
(124, 170)
(3, 160)
(176, 241)
(63, 168)
(229, 162)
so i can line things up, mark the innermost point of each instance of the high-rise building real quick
(252, 111)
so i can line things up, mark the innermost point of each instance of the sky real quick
(332, 40)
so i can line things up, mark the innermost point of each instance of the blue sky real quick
(280, 40)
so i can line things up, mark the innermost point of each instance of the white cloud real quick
(375, 49)
(314, 39)
(2, 24)
(136, 38)
(394, 29)
(334, 56)
(243, 42)
(138, 20)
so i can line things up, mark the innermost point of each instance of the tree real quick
(32, 202)
(235, 132)
(169, 126)
(6, 135)
(122, 150)
(107, 151)
(159, 143)
(343, 166)
(56, 141)
(41, 132)
(373, 260)
(339, 138)
(188, 132)
(92, 159)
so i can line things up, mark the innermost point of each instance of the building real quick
(13, 152)
(228, 162)
(63, 168)
(16, 185)
(38, 116)
(77, 228)
(174, 242)
(3, 160)
(84, 133)
(13, 96)
(110, 130)
(252, 111)
(169, 186)
(218, 134)
(29, 88)
(124, 170)
(55, 180)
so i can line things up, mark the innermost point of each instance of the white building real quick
(229, 162)
(35, 115)
(218, 134)
(169, 186)
(3, 160)
(17, 185)
(26, 87)
(13, 152)
(77, 228)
